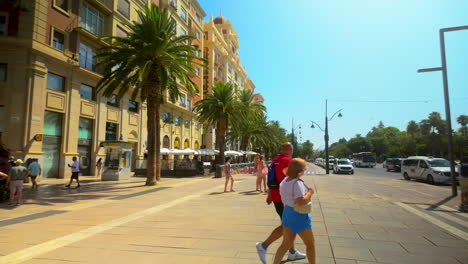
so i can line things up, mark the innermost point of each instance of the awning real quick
(206, 152)
(249, 152)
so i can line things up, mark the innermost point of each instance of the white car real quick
(432, 170)
(343, 166)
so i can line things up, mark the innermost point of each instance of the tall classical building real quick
(180, 128)
(48, 75)
(224, 65)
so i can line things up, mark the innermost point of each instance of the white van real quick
(432, 170)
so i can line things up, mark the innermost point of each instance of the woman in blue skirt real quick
(294, 191)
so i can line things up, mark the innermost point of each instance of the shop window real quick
(85, 128)
(111, 131)
(55, 82)
(52, 124)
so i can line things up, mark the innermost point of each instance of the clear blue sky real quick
(301, 52)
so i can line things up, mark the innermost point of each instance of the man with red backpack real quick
(279, 164)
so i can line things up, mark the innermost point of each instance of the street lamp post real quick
(326, 137)
(447, 99)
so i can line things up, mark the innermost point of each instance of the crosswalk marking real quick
(455, 231)
(454, 211)
(445, 215)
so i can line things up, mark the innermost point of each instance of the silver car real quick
(343, 166)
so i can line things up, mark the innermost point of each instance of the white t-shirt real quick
(286, 191)
(76, 164)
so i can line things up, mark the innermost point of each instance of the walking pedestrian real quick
(99, 167)
(228, 174)
(75, 169)
(281, 162)
(294, 194)
(262, 171)
(463, 171)
(16, 177)
(34, 169)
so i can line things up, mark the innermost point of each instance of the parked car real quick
(343, 166)
(393, 164)
(432, 170)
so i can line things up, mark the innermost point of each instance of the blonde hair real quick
(296, 167)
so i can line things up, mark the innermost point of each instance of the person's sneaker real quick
(261, 252)
(78, 186)
(296, 256)
(68, 186)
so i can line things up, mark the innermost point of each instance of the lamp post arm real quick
(314, 123)
(335, 114)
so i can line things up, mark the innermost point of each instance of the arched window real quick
(166, 142)
(186, 144)
(177, 143)
(196, 145)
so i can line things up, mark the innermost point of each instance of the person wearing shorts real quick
(16, 177)
(75, 168)
(34, 170)
(261, 177)
(228, 173)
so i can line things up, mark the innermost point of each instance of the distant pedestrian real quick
(463, 171)
(295, 193)
(281, 162)
(228, 174)
(99, 167)
(261, 171)
(16, 177)
(34, 169)
(75, 168)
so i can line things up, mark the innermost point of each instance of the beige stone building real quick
(48, 75)
(224, 65)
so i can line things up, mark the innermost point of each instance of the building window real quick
(199, 19)
(182, 100)
(58, 40)
(86, 92)
(197, 71)
(197, 53)
(62, 4)
(124, 7)
(183, 32)
(177, 121)
(187, 123)
(166, 117)
(189, 104)
(112, 101)
(3, 24)
(111, 131)
(91, 20)
(229, 68)
(52, 124)
(183, 14)
(121, 32)
(85, 128)
(197, 34)
(55, 82)
(3, 71)
(86, 57)
(132, 106)
(173, 3)
(197, 126)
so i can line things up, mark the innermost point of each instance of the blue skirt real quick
(295, 221)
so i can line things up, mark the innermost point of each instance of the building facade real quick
(224, 65)
(47, 79)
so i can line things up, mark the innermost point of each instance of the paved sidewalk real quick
(190, 220)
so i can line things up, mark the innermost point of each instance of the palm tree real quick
(219, 109)
(463, 121)
(413, 128)
(146, 64)
(251, 113)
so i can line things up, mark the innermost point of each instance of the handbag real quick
(305, 208)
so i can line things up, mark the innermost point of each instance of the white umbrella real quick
(186, 151)
(232, 153)
(206, 152)
(249, 152)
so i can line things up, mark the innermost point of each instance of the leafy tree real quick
(147, 63)
(413, 128)
(380, 125)
(463, 121)
(219, 108)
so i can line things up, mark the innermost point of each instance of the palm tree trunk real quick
(220, 142)
(152, 122)
(244, 142)
(158, 137)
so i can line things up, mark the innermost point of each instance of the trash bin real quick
(219, 171)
